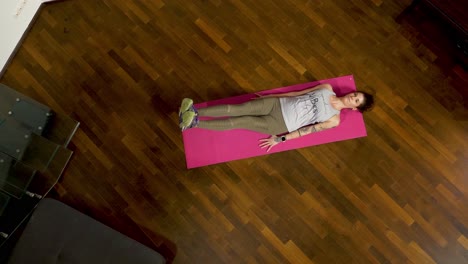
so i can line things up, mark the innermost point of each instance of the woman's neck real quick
(336, 102)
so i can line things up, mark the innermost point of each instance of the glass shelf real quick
(15, 176)
(60, 129)
(14, 138)
(45, 180)
(4, 199)
(33, 156)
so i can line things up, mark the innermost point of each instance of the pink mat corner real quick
(206, 147)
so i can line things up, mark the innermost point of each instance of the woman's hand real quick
(268, 142)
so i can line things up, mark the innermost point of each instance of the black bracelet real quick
(280, 139)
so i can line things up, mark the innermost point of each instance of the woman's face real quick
(353, 100)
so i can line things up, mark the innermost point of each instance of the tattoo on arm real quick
(310, 129)
(320, 127)
(303, 131)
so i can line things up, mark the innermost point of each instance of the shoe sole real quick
(187, 120)
(187, 104)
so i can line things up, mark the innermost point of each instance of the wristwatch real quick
(280, 139)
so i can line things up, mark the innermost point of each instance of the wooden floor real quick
(121, 67)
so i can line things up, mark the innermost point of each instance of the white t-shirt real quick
(307, 109)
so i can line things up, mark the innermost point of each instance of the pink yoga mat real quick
(205, 147)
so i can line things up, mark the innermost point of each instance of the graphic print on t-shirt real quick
(307, 109)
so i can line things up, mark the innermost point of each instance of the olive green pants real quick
(261, 115)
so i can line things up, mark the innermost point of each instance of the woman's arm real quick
(301, 92)
(330, 123)
(273, 140)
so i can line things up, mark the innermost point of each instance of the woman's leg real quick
(255, 107)
(267, 119)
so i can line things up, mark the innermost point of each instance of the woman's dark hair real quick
(368, 103)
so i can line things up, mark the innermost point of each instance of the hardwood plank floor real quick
(121, 68)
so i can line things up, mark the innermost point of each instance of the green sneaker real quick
(187, 120)
(187, 103)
